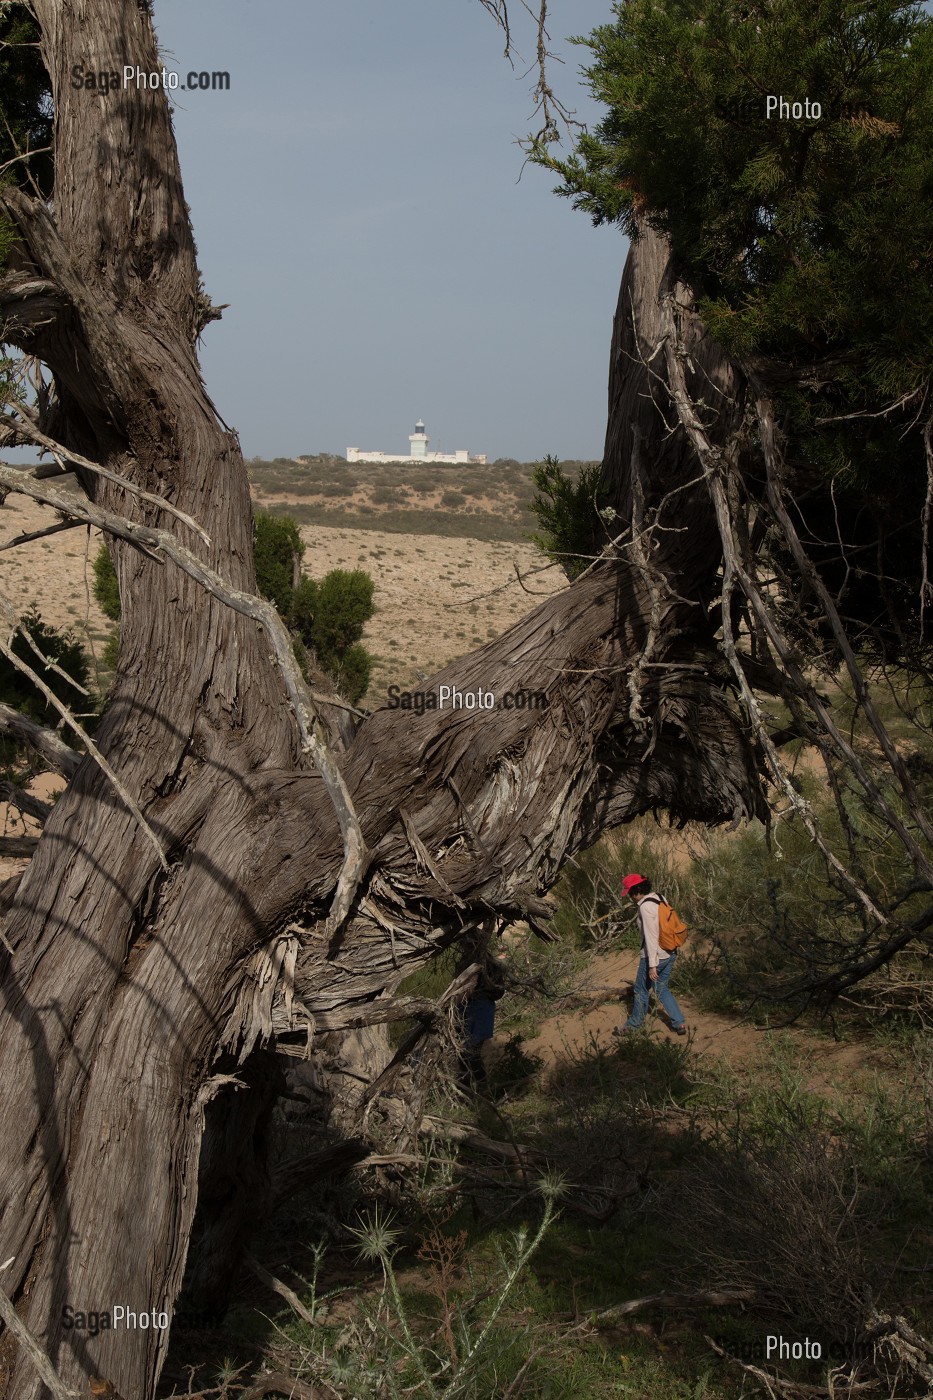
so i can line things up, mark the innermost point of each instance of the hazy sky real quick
(356, 199)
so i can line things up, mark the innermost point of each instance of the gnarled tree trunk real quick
(140, 999)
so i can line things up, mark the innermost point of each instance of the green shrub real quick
(568, 513)
(387, 496)
(329, 618)
(326, 617)
(278, 550)
(57, 646)
(106, 589)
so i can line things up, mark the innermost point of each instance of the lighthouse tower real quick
(419, 440)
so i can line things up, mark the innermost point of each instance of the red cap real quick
(631, 881)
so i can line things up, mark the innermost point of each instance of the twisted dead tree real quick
(236, 874)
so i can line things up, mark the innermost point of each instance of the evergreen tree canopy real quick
(808, 241)
(278, 550)
(25, 101)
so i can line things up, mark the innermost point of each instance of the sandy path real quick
(608, 980)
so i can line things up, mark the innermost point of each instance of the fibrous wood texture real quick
(140, 1001)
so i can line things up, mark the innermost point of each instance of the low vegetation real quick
(491, 502)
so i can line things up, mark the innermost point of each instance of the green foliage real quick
(278, 550)
(776, 919)
(25, 115)
(106, 589)
(469, 1347)
(801, 234)
(352, 672)
(329, 617)
(25, 100)
(809, 242)
(568, 513)
(58, 647)
(326, 616)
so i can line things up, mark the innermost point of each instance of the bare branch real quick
(43, 1366)
(42, 534)
(734, 571)
(278, 1383)
(282, 1289)
(708, 1298)
(45, 742)
(31, 432)
(776, 494)
(25, 803)
(17, 846)
(47, 661)
(91, 747)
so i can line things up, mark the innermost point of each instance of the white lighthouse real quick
(418, 453)
(419, 440)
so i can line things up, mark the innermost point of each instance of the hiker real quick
(479, 1015)
(656, 963)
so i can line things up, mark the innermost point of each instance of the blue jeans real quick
(479, 1020)
(663, 992)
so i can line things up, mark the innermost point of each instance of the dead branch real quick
(678, 1302)
(42, 534)
(468, 1136)
(31, 432)
(720, 471)
(278, 1383)
(776, 496)
(776, 1384)
(282, 1289)
(302, 1172)
(25, 802)
(17, 846)
(45, 742)
(911, 1351)
(33, 1350)
(75, 724)
(47, 661)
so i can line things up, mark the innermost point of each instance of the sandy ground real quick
(436, 598)
(53, 575)
(608, 980)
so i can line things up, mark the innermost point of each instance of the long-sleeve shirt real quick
(649, 919)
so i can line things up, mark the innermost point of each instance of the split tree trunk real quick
(134, 993)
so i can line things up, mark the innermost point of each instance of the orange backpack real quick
(672, 931)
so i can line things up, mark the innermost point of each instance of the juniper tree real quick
(236, 874)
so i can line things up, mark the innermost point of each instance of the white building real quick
(419, 452)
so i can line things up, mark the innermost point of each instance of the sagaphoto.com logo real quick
(137, 79)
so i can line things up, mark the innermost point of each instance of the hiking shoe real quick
(679, 1030)
(619, 1031)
